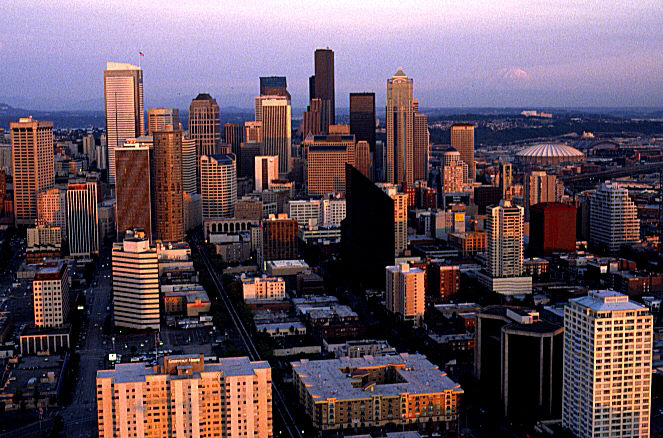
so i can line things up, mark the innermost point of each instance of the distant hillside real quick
(60, 119)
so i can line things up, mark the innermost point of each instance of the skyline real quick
(459, 54)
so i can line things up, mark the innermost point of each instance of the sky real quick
(466, 53)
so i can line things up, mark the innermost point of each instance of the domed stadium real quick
(550, 154)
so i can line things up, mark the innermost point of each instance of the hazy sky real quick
(460, 53)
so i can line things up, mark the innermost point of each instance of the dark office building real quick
(234, 135)
(518, 360)
(324, 87)
(362, 118)
(279, 239)
(485, 196)
(248, 152)
(133, 191)
(274, 86)
(367, 231)
(168, 191)
(552, 228)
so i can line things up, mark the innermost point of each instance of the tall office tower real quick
(185, 396)
(506, 177)
(266, 171)
(82, 218)
(518, 358)
(277, 130)
(327, 157)
(420, 149)
(205, 124)
(279, 238)
(125, 110)
(135, 282)
(399, 216)
(274, 86)
(613, 218)
(168, 192)
(234, 135)
(367, 233)
(253, 132)
(159, 118)
(51, 295)
(541, 187)
(552, 228)
(133, 186)
(405, 292)
(462, 139)
(218, 185)
(363, 159)
(89, 146)
(324, 87)
(505, 240)
(607, 368)
(402, 153)
(311, 124)
(189, 166)
(362, 119)
(32, 166)
(52, 208)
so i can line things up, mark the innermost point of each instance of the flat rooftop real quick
(326, 379)
(138, 371)
(607, 301)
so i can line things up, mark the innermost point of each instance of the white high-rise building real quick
(218, 185)
(613, 218)
(505, 240)
(125, 110)
(135, 282)
(82, 218)
(325, 212)
(51, 295)
(607, 368)
(405, 292)
(189, 166)
(277, 130)
(266, 170)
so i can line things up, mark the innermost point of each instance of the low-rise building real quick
(372, 391)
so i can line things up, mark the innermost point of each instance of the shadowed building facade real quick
(362, 119)
(367, 236)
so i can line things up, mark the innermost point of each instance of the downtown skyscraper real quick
(168, 191)
(83, 218)
(362, 120)
(32, 166)
(205, 124)
(277, 130)
(218, 185)
(407, 133)
(125, 109)
(159, 118)
(322, 87)
(133, 186)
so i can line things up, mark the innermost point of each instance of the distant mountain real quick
(60, 119)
